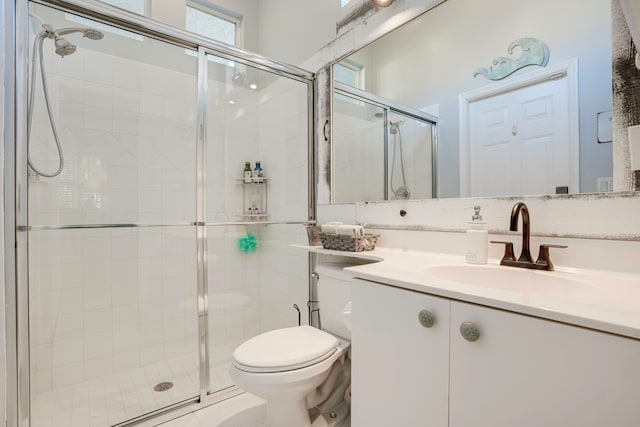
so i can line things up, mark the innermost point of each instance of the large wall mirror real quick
(410, 120)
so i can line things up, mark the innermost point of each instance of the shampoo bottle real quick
(258, 173)
(477, 239)
(247, 173)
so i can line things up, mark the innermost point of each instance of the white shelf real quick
(253, 180)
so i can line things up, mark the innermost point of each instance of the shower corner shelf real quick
(254, 195)
(253, 181)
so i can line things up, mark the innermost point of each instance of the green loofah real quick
(248, 243)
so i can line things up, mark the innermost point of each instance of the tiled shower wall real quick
(359, 140)
(109, 300)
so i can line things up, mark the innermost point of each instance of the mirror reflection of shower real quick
(381, 150)
(401, 192)
(63, 47)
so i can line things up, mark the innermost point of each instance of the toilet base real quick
(287, 413)
(339, 417)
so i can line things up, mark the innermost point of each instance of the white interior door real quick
(521, 136)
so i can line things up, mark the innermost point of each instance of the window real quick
(343, 3)
(350, 73)
(135, 6)
(213, 23)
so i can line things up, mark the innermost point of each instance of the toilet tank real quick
(334, 293)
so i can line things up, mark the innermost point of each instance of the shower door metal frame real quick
(16, 226)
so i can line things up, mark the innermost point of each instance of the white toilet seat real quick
(284, 350)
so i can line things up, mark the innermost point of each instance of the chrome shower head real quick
(64, 47)
(92, 34)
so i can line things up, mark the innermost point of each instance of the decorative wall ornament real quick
(534, 52)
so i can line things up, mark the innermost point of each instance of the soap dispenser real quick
(477, 239)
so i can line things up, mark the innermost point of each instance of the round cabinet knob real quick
(469, 331)
(426, 318)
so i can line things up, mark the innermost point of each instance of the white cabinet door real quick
(520, 141)
(528, 372)
(400, 369)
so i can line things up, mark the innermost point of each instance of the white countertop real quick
(600, 300)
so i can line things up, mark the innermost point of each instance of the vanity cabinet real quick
(400, 369)
(521, 371)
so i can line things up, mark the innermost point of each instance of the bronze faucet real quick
(525, 260)
(525, 255)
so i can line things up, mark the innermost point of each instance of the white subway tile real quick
(97, 321)
(98, 344)
(97, 67)
(98, 95)
(126, 317)
(66, 351)
(98, 118)
(96, 297)
(98, 367)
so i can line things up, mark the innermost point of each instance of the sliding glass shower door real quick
(150, 255)
(254, 278)
(112, 246)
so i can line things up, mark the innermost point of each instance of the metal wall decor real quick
(534, 52)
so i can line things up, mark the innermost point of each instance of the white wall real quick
(249, 9)
(291, 31)
(288, 31)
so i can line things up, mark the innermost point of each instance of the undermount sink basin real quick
(509, 278)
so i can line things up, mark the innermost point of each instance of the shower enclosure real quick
(131, 286)
(382, 150)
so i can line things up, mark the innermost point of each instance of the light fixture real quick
(382, 3)
(253, 86)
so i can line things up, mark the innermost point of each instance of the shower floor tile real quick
(110, 400)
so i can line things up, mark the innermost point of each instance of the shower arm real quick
(64, 31)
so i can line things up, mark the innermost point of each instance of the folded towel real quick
(330, 227)
(351, 230)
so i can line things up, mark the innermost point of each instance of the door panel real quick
(399, 368)
(529, 125)
(529, 372)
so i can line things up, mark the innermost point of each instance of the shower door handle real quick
(324, 130)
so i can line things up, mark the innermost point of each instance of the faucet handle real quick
(544, 258)
(508, 250)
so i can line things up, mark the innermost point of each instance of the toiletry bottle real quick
(257, 173)
(477, 239)
(247, 173)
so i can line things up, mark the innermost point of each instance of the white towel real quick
(330, 227)
(351, 230)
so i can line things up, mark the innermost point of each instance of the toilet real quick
(303, 368)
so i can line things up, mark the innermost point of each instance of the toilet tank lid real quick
(286, 347)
